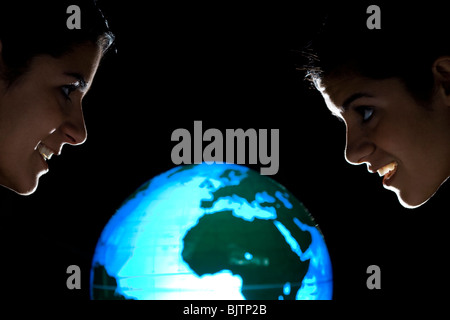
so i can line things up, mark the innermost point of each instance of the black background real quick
(230, 66)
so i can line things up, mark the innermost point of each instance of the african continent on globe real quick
(211, 231)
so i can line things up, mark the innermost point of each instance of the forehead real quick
(338, 92)
(82, 60)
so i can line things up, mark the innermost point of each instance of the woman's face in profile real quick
(41, 111)
(404, 142)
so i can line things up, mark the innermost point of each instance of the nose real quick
(358, 147)
(74, 128)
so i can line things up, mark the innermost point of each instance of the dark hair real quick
(411, 38)
(31, 28)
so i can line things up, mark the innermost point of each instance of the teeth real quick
(44, 151)
(387, 168)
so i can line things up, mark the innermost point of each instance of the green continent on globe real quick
(107, 289)
(253, 184)
(220, 240)
(265, 267)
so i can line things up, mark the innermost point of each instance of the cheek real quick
(400, 138)
(26, 122)
(41, 115)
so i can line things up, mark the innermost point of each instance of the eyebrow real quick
(354, 97)
(79, 77)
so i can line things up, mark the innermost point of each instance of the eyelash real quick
(363, 110)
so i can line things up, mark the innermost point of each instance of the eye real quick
(67, 90)
(366, 112)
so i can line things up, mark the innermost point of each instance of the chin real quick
(410, 205)
(409, 200)
(24, 182)
(25, 191)
(24, 188)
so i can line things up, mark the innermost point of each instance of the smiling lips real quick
(45, 152)
(388, 171)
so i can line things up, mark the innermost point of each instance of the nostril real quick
(71, 139)
(74, 133)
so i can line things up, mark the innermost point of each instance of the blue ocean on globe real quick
(211, 231)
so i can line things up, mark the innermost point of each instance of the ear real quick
(441, 73)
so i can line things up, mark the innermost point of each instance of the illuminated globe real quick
(211, 231)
